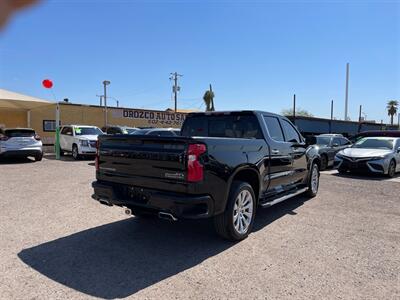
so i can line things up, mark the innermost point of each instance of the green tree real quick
(392, 107)
(299, 112)
(209, 99)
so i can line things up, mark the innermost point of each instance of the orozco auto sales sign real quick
(152, 117)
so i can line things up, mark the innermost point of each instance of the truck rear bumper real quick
(179, 205)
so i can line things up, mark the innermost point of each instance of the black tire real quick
(324, 162)
(62, 152)
(75, 152)
(342, 171)
(39, 157)
(392, 169)
(224, 223)
(312, 189)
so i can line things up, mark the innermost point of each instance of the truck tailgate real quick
(150, 162)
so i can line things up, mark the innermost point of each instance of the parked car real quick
(379, 155)
(328, 145)
(158, 132)
(80, 140)
(223, 166)
(20, 142)
(375, 133)
(119, 130)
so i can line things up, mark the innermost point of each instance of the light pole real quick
(105, 83)
(346, 99)
(175, 88)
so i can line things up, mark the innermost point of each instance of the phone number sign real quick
(152, 117)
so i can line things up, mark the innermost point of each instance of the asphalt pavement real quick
(58, 243)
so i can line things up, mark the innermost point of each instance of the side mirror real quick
(398, 150)
(335, 145)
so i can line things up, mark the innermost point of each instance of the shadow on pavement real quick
(121, 258)
(69, 158)
(16, 160)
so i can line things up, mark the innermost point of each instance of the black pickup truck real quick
(224, 165)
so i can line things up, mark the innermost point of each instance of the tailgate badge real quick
(174, 175)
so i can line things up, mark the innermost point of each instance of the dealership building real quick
(18, 110)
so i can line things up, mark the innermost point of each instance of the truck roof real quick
(236, 112)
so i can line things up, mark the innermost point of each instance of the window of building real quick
(49, 125)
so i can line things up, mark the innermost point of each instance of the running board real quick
(283, 198)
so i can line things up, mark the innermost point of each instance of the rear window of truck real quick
(228, 126)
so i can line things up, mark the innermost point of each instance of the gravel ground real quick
(57, 243)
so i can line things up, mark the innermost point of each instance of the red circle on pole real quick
(47, 83)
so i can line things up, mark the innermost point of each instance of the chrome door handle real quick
(275, 151)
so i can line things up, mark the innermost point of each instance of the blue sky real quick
(257, 54)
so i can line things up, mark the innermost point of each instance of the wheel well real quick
(317, 161)
(251, 177)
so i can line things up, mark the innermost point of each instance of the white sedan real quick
(379, 155)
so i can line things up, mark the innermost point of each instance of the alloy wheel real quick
(314, 179)
(243, 211)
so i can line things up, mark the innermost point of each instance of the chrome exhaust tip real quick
(105, 202)
(128, 211)
(167, 216)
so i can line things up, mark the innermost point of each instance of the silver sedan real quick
(380, 155)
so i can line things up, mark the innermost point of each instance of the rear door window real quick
(274, 128)
(66, 131)
(344, 142)
(336, 141)
(291, 134)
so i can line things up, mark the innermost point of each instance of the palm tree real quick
(392, 107)
(209, 99)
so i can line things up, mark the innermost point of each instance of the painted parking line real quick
(329, 172)
(396, 179)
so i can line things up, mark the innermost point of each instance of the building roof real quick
(185, 111)
(12, 100)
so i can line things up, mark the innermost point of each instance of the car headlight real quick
(339, 156)
(84, 143)
(377, 157)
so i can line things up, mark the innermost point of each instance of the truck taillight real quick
(96, 160)
(195, 168)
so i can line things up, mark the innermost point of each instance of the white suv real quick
(20, 142)
(80, 140)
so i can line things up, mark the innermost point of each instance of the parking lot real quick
(58, 243)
